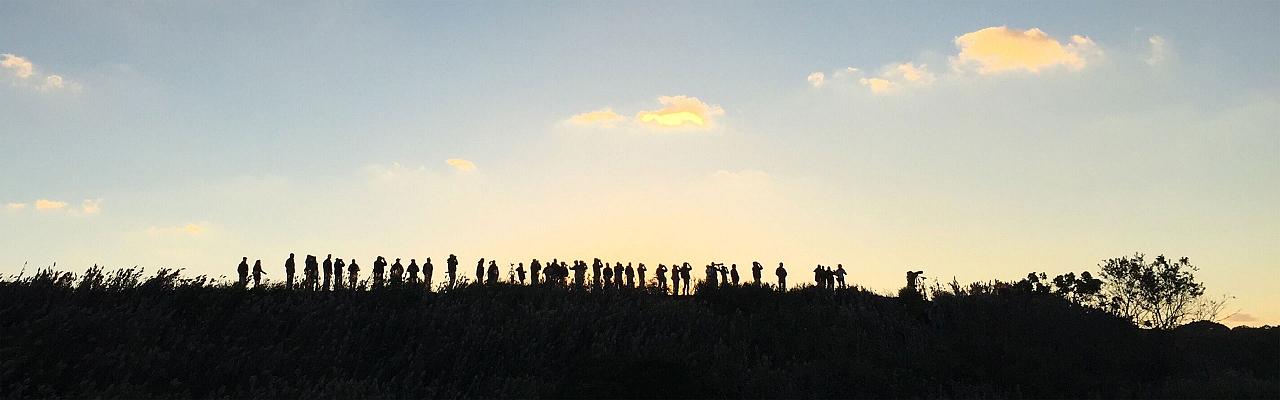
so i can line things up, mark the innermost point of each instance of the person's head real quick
(329, 256)
(244, 258)
(290, 255)
(397, 260)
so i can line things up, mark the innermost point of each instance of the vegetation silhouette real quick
(120, 334)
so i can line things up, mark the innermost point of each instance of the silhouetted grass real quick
(119, 334)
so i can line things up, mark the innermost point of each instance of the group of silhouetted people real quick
(328, 275)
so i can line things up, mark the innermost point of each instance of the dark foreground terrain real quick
(173, 337)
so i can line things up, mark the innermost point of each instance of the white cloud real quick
(461, 164)
(604, 117)
(91, 206)
(817, 79)
(1159, 51)
(15, 206)
(677, 113)
(25, 74)
(877, 85)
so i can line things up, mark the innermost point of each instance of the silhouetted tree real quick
(1161, 294)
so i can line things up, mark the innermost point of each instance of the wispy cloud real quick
(91, 206)
(604, 116)
(45, 204)
(15, 206)
(1159, 51)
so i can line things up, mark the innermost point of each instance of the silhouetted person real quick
(831, 278)
(397, 273)
(675, 279)
(640, 271)
(493, 272)
(337, 273)
(535, 268)
(243, 270)
(579, 277)
(354, 270)
(480, 271)
(684, 275)
(257, 273)
(840, 273)
(579, 273)
(631, 276)
(595, 273)
(520, 272)
(782, 277)
(818, 280)
(724, 274)
(755, 272)
(327, 267)
(451, 269)
(312, 271)
(288, 272)
(711, 271)
(379, 271)
(608, 276)
(617, 275)
(427, 270)
(733, 273)
(913, 280)
(412, 269)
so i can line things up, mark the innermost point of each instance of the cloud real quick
(681, 112)
(877, 85)
(896, 75)
(817, 79)
(26, 74)
(1159, 51)
(91, 206)
(461, 164)
(15, 206)
(677, 113)
(999, 49)
(1241, 317)
(43, 204)
(193, 229)
(20, 67)
(604, 116)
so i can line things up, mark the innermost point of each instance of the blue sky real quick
(191, 133)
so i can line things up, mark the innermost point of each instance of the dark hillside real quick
(170, 337)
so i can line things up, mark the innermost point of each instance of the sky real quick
(973, 140)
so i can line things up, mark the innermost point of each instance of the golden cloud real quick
(89, 206)
(16, 206)
(461, 165)
(1000, 49)
(20, 66)
(681, 112)
(193, 229)
(817, 79)
(877, 85)
(43, 204)
(604, 116)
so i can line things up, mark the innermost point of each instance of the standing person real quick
(427, 270)
(631, 276)
(595, 273)
(711, 275)
(451, 265)
(379, 268)
(354, 270)
(662, 277)
(617, 275)
(413, 271)
(640, 271)
(831, 278)
(733, 273)
(480, 271)
(840, 273)
(337, 273)
(257, 273)
(608, 276)
(782, 277)
(243, 270)
(397, 273)
(684, 274)
(493, 272)
(311, 270)
(817, 277)
(579, 273)
(520, 272)
(755, 272)
(675, 279)
(328, 271)
(288, 272)
(535, 268)
(724, 274)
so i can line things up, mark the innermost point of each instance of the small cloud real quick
(43, 204)
(91, 206)
(817, 79)
(604, 117)
(53, 82)
(193, 229)
(1159, 50)
(1000, 49)
(15, 206)
(877, 85)
(911, 73)
(681, 112)
(19, 66)
(461, 164)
